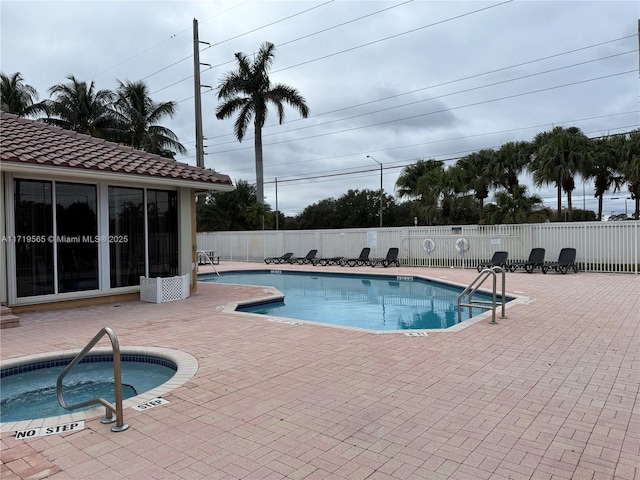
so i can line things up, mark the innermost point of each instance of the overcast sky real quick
(399, 81)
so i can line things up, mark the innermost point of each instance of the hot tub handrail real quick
(111, 409)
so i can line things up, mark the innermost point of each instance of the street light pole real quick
(381, 191)
(626, 214)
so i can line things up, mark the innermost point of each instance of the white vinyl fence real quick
(601, 246)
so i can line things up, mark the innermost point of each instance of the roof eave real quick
(129, 178)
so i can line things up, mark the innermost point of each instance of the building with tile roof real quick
(84, 218)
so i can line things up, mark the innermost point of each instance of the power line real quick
(272, 23)
(412, 117)
(320, 175)
(528, 62)
(436, 97)
(465, 137)
(406, 32)
(372, 42)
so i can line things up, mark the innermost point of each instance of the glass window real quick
(126, 223)
(76, 237)
(162, 215)
(34, 237)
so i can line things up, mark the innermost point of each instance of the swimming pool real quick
(371, 302)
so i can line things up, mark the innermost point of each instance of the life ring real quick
(462, 245)
(428, 245)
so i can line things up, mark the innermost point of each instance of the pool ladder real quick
(113, 413)
(485, 304)
(208, 260)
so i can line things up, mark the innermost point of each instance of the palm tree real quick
(78, 107)
(474, 172)
(17, 97)
(630, 167)
(507, 163)
(137, 117)
(557, 156)
(516, 208)
(604, 167)
(423, 181)
(234, 210)
(248, 91)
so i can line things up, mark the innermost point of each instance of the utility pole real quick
(197, 94)
(277, 215)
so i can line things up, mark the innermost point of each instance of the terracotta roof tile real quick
(24, 141)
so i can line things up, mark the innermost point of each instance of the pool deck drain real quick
(549, 393)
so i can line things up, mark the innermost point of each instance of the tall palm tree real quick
(474, 171)
(557, 156)
(630, 167)
(423, 181)
(137, 117)
(79, 107)
(248, 91)
(17, 97)
(407, 183)
(604, 167)
(507, 163)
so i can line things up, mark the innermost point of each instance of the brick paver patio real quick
(551, 392)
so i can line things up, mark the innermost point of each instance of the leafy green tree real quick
(361, 208)
(79, 107)
(249, 92)
(322, 214)
(137, 118)
(17, 97)
(557, 156)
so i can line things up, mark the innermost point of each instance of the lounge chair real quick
(326, 261)
(566, 260)
(499, 259)
(363, 259)
(536, 260)
(390, 259)
(283, 259)
(303, 260)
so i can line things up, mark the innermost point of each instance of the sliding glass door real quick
(34, 237)
(126, 229)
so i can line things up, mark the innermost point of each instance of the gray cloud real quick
(412, 51)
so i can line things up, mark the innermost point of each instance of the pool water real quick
(31, 394)
(372, 302)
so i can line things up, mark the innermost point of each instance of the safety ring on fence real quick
(462, 245)
(428, 245)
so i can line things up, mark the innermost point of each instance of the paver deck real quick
(551, 392)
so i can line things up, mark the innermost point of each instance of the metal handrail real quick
(208, 258)
(111, 409)
(473, 288)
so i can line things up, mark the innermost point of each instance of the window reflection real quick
(162, 216)
(34, 230)
(126, 221)
(76, 231)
